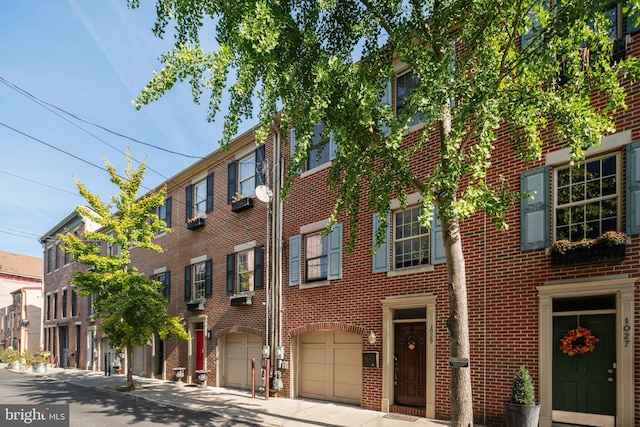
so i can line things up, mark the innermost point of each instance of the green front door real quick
(585, 383)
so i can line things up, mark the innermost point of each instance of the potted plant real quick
(14, 358)
(39, 361)
(521, 410)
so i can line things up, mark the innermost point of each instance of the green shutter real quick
(231, 181)
(633, 189)
(258, 268)
(231, 273)
(295, 259)
(535, 210)
(381, 258)
(208, 279)
(209, 206)
(187, 283)
(168, 212)
(167, 285)
(188, 197)
(335, 253)
(438, 255)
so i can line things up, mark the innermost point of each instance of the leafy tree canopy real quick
(330, 62)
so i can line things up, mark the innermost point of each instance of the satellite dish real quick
(263, 193)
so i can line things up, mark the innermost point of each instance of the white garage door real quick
(330, 366)
(239, 350)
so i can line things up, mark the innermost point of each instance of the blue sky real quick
(91, 59)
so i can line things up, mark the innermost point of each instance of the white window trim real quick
(197, 260)
(619, 191)
(245, 246)
(305, 230)
(159, 271)
(610, 142)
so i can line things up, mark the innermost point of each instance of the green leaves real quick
(131, 307)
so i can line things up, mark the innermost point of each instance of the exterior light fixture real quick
(372, 337)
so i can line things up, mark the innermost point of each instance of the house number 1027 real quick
(626, 328)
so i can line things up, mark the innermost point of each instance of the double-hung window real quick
(406, 83)
(65, 297)
(49, 259)
(199, 198)
(316, 251)
(164, 212)
(587, 198)
(407, 245)
(320, 153)
(315, 257)
(57, 256)
(165, 283)
(198, 280)
(245, 174)
(245, 269)
(74, 303)
(411, 241)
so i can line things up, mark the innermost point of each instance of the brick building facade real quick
(69, 330)
(371, 330)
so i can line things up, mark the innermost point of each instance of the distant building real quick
(69, 330)
(19, 272)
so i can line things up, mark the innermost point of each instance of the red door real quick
(199, 349)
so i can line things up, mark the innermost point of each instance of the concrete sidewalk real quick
(237, 405)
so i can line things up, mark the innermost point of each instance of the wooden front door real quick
(585, 383)
(410, 361)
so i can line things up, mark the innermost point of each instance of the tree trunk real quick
(458, 325)
(130, 385)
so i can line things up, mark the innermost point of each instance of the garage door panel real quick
(239, 350)
(330, 366)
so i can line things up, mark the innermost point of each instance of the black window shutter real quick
(187, 283)
(189, 202)
(167, 285)
(258, 268)
(260, 166)
(209, 207)
(231, 272)
(168, 212)
(208, 279)
(231, 182)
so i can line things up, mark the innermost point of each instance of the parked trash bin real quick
(64, 358)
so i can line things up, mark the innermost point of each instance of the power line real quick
(62, 151)
(54, 147)
(40, 183)
(41, 101)
(22, 234)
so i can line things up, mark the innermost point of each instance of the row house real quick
(22, 321)
(18, 272)
(69, 327)
(257, 279)
(213, 267)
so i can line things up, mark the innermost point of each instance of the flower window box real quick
(241, 204)
(195, 223)
(609, 247)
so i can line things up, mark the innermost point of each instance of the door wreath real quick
(578, 341)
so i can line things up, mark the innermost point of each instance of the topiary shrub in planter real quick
(521, 410)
